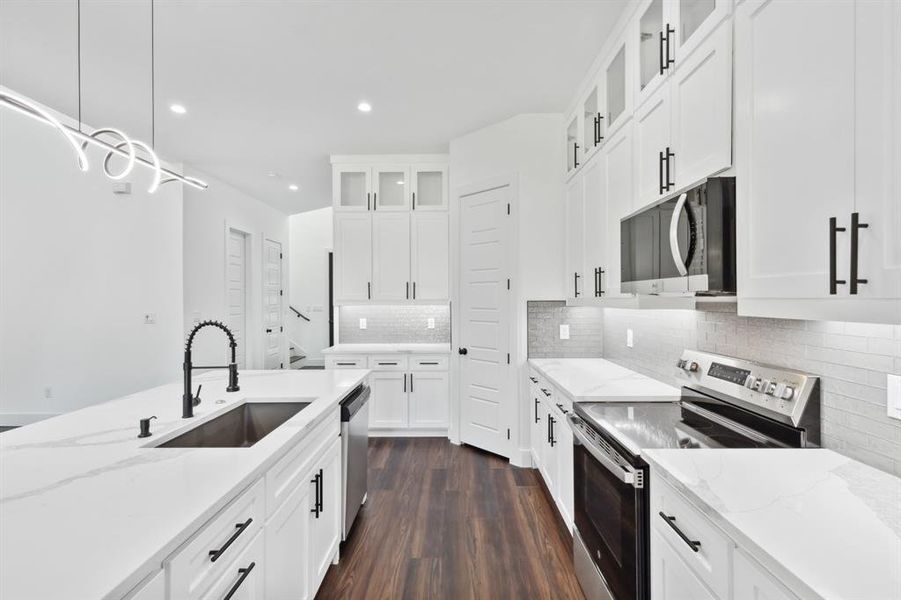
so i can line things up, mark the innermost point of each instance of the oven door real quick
(611, 513)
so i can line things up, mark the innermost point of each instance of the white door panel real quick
(595, 230)
(574, 281)
(430, 256)
(353, 256)
(272, 304)
(236, 282)
(618, 189)
(652, 137)
(391, 256)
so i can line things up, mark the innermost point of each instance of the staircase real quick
(296, 355)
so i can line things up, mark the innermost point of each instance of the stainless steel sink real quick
(241, 427)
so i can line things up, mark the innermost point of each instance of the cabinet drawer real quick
(711, 558)
(243, 575)
(429, 362)
(345, 362)
(388, 362)
(193, 569)
(291, 470)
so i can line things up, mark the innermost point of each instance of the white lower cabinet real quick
(671, 579)
(752, 582)
(152, 588)
(536, 419)
(277, 539)
(389, 399)
(428, 399)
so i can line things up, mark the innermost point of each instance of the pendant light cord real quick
(78, 56)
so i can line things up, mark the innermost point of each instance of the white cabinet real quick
(535, 420)
(801, 162)
(391, 256)
(324, 516)
(153, 588)
(595, 232)
(243, 578)
(563, 438)
(351, 188)
(428, 399)
(391, 188)
(671, 579)
(429, 187)
(592, 122)
(752, 582)
(389, 399)
(429, 259)
(653, 150)
(575, 281)
(618, 191)
(353, 256)
(288, 546)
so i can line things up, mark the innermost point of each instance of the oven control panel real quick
(782, 393)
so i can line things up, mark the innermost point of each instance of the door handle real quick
(463, 351)
(669, 61)
(856, 226)
(536, 411)
(669, 184)
(834, 282)
(575, 285)
(660, 159)
(662, 59)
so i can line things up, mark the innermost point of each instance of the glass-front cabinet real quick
(429, 190)
(619, 106)
(573, 145)
(392, 188)
(351, 188)
(592, 122)
(653, 58)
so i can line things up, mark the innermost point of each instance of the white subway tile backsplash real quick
(586, 329)
(394, 324)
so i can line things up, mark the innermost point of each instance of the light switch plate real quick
(431, 323)
(894, 396)
(630, 339)
(564, 332)
(362, 323)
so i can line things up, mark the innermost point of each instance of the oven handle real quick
(674, 235)
(623, 473)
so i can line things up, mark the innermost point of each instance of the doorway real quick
(273, 312)
(236, 277)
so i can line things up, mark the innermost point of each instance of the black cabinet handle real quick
(428, 362)
(239, 529)
(662, 59)
(414, 290)
(414, 200)
(575, 285)
(856, 226)
(660, 159)
(536, 410)
(375, 200)
(563, 410)
(411, 382)
(244, 573)
(669, 32)
(369, 290)
(405, 383)
(575, 155)
(533, 380)
(462, 351)
(367, 201)
(316, 481)
(549, 429)
(834, 282)
(346, 364)
(671, 521)
(388, 364)
(669, 155)
(321, 492)
(408, 290)
(598, 282)
(551, 421)
(597, 129)
(546, 393)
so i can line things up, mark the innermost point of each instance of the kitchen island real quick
(89, 510)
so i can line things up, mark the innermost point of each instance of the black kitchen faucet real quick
(188, 400)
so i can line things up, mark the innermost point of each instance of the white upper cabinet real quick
(353, 257)
(429, 260)
(595, 232)
(573, 145)
(808, 169)
(429, 191)
(391, 256)
(575, 282)
(391, 191)
(653, 149)
(618, 85)
(592, 122)
(653, 62)
(692, 21)
(618, 192)
(351, 188)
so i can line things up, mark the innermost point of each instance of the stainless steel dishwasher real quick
(354, 454)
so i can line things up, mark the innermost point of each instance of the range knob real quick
(770, 389)
(681, 364)
(750, 381)
(788, 392)
(693, 367)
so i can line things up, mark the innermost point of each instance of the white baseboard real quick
(19, 419)
(522, 457)
(442, 433)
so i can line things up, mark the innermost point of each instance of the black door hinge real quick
(508, 208)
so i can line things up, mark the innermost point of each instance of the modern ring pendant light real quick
(121, 145)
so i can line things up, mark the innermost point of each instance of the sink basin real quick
(241, 427)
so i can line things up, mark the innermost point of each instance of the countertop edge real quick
(407, 348)
(573, 397)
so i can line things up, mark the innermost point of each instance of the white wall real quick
(311, 241)
(531, 147)
(79, 267)
(207, 217)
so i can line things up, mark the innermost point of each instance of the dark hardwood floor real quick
(445, 521)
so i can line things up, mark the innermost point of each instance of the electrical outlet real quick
(630, 339)
(564, 332)
(893, 405)
(430, 323)
(149, 318)
(362, 323)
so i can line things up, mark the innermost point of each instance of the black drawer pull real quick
(533, 380)
(546, 393)
(563, 410)
(428, 363)
(671, 521)
(391, 364)
(346, 364)
(240, 527)
(317, 480)
(243, 575)
(536, 411)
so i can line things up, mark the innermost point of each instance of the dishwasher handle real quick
(354, 401)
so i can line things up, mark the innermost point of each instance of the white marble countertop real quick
(599, 380)
(87, 510)
(824, 524)
(388, 349)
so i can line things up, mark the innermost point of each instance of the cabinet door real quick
(152, 589)
(752, 582)
(287, 539)
(429, 396)
(429, 261)
(701, 92)
(618, 177)
(536, 441)
(351, 188)
(243, 578)
(388, 399)
(693, 21)
(618, 85)
(592, 122)
(652, 141)
(794, 152)
(595, 231)
(549, 458)
(575, 282)
(325, 525)
(573, 144)
(353, 256)
(878, 148)
(671, 579)
(565, 492)
(391, 256)
(391, 188)
(649, 33)
(429, 187)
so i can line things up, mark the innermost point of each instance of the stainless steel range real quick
(725, 403)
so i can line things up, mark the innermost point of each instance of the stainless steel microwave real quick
(683, 244)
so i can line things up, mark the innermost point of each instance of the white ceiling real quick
(272, 86)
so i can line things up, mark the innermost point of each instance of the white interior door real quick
(272, 304)
(486, 395)
(236, 291)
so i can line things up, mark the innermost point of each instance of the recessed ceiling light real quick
(293, 187)
(364, 107)
(178, 109)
